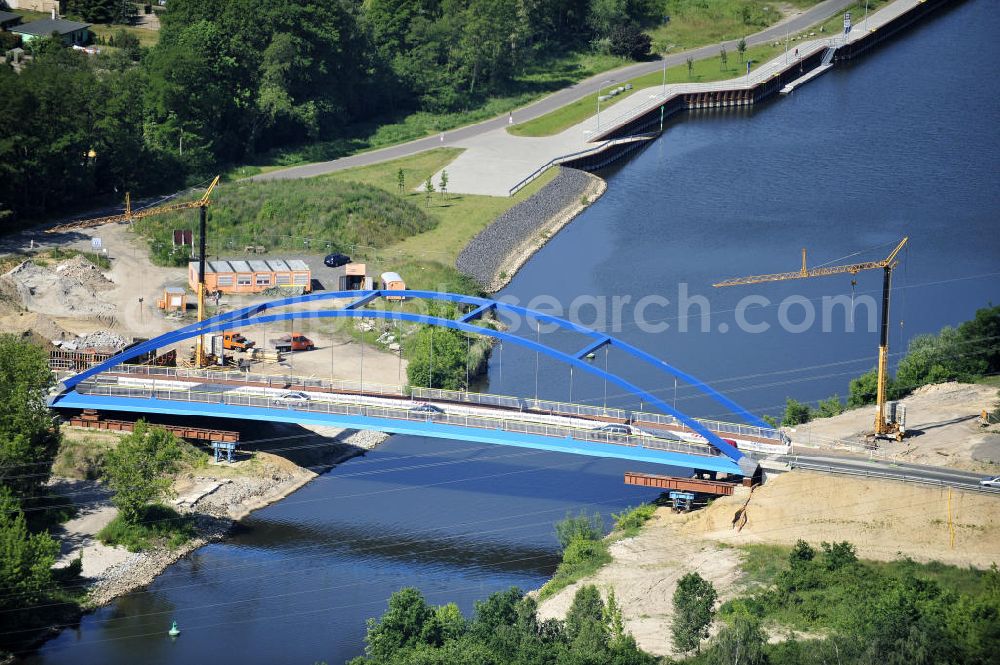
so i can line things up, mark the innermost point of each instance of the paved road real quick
(558, 99)
(906, 472)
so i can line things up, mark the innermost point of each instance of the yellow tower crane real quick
(882, 428)
(131, 215)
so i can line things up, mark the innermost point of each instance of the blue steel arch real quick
(254, 315)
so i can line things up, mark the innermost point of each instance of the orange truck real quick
(236, 342)
(293, 342)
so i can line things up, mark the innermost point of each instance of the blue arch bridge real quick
(665, 436)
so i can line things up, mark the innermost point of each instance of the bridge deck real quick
(76, 400)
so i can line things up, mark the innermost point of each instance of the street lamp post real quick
(599, 90)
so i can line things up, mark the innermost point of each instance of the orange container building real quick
(252, 276)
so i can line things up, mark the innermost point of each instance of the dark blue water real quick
(903, 144)
(298, 581)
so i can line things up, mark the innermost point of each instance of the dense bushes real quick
(33, 596)
(504, 629)
(873, 613)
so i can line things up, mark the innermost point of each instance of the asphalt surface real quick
(558, 99)
(914, 473)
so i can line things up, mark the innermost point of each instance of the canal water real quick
(905, 143)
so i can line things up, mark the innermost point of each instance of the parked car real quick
(336, 260)
(615, 428)
(293, 398)
(993, 482)
(428, 409)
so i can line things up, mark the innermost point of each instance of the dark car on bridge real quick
(336, 260)
(615, 428)
(428, 410)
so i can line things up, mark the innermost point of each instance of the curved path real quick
(558, 99)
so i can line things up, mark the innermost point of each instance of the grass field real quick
(147, 38)
(702, 71)
(695, 23)
(427, 259)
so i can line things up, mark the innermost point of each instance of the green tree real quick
(429, 189)
(137, 469)
(796, 413)
(400, 181)
(437, 358)
(741, 47)
(628, 41)
(401, 626)
(586, 618)
(742, 642)
(29, 433)
(694, 603)
(95, 11)
(723, 59)
(579, 527)
(496, 612)
(838, 555)
(801, 552)
(827, 408)
(444, 183)
(864, 389)
(690, 66)
(25, 559)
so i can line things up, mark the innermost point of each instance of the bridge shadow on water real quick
(267, 537)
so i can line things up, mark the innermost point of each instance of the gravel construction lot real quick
(942, 425)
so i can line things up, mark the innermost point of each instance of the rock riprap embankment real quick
(501, 248)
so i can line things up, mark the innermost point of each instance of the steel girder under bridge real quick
(731, 459)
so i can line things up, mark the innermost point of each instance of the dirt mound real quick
(58, 293)
(884, 519)
(644, 575)
(37, 324)
(85, 272)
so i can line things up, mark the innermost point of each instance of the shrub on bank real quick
(628, 522)
(158, 525)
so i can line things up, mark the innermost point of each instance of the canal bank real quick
(884, 520)
(216, 496)
(490, 162)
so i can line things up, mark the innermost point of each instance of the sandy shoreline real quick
(219, 499)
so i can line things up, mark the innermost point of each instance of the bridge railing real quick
(591, 411)
(394, 413)
(736, 430)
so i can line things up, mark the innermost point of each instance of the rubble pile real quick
(85, 272)
(58, 293)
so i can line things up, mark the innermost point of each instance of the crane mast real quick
(882, 428)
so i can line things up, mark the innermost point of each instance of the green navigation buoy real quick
(174, 630)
